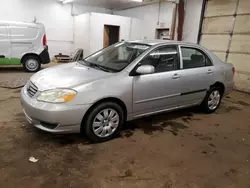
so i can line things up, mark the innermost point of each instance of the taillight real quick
(44, 41)
(233, 69)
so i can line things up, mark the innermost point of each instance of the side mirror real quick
(145, 69)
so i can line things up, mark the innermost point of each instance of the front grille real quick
(31, 89)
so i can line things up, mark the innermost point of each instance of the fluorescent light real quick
(66, 1)
(137, 0)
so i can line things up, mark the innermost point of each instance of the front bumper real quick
(54, 118)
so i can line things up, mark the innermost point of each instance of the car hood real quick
(66, 76)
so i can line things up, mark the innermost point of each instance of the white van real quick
(24, 44)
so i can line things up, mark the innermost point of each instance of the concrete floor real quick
(184, 149)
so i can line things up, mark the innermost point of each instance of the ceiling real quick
(114, 4)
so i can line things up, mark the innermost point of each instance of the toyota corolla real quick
(122, 82)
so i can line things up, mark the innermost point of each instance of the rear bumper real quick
(45, 56)
(53, 118)
(229, 87)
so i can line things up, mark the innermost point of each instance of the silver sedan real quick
(125, 81)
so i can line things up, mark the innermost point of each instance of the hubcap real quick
(214, 100)
(105, 123)
(32, 64)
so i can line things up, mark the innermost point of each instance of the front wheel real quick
(103, 122)
(31, 64)
(212, 100)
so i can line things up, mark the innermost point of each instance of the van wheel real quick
(212, 100)
(103, 122)
(31, 64)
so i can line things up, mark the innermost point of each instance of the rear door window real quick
(194, 58)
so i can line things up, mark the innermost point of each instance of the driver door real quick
(159, 91)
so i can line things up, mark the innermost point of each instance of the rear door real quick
(22, 41)
(5, 47)
(196, 73)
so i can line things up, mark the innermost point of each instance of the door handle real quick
(209, 71)
(176, 76)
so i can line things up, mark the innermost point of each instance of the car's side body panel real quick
(159, 92)
(155, 92)
(5, 45)
(118, 86)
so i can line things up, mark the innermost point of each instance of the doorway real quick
(162, 33)
(111, 35)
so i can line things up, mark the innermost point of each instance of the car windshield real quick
(116, 57)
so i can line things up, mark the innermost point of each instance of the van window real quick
(20, 32)
(3, 33)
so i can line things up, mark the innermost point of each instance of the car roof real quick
(31, 24)
(158, 41)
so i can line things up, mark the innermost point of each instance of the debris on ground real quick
(33, 159)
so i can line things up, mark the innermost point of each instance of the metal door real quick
(196, 73)
(158, 91)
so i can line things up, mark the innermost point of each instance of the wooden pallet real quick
(61, 59)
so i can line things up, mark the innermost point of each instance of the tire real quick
(31, 63)
(101, 116)
(209, 105)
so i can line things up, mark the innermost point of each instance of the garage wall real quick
(149, 15)
(81, 32)
(226, 31)
(81, 9)
(55, 16)
(89, 30)
(97, 22)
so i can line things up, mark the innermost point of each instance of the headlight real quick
(57, 95)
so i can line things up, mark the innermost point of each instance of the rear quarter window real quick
(23, 33)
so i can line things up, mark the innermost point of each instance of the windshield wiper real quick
(102, 67)
(83, 62)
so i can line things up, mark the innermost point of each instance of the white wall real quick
(149, 15)
(81, 9)
(97, 22)
(192, 20)
(81, 32)
(55, 16)
(135, 29)
(89, 30)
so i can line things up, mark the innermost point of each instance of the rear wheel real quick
(212, 100)
(31, 63)
(103, 122)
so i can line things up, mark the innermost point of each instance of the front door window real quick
(163, 59)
